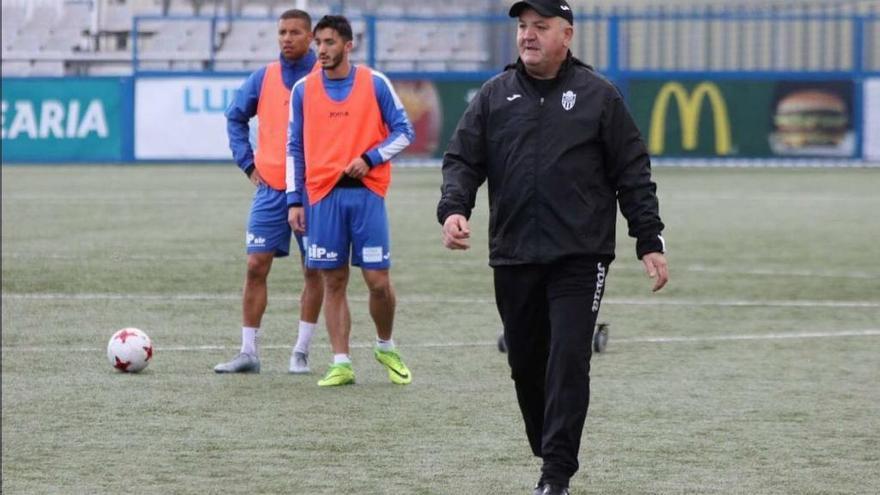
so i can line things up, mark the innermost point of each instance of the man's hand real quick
(456, 232)
(655, 267)
(357, 169)
(297, 219)
(255, 178)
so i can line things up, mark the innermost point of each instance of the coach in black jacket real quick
(559, 150)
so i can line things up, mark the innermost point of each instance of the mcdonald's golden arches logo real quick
(689, 113)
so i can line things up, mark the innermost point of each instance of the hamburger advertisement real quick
(813, 119)
(760, 118)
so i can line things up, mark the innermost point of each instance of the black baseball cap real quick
(547, 8)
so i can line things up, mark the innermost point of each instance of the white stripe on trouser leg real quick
(600, 283)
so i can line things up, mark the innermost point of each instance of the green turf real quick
(762, 252)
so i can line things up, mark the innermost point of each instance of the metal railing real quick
(616, 43)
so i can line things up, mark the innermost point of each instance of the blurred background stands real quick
(99, 37)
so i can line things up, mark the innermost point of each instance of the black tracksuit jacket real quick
(557, 165)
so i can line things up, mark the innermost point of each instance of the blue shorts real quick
(267, 228)
(349, 221)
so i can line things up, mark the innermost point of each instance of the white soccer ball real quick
(130, 350)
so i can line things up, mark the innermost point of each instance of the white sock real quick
(385, 345)
(304, 337)
(249, 340)
(341, 359)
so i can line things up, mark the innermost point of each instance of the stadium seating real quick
(45, 34)
(174, 44)
(56, 37)
(246, 44)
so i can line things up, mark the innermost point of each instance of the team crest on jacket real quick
(568, 99)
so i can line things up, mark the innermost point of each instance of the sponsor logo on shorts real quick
(253, 240)
(600, 283)
(318, 253)
(372, 254)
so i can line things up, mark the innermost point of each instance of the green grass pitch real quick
(755, 372)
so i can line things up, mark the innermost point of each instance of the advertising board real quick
(181, 118)
(64, 120)
(871, 130)
(745, 119)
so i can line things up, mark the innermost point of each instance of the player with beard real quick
(346, 124)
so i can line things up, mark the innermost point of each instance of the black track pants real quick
(549, 312)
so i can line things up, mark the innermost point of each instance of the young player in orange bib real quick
(346, 124)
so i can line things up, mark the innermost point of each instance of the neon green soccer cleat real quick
(397, 371)
(337, 374)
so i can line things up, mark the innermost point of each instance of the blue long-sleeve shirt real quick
(393, 114)
(244, 106)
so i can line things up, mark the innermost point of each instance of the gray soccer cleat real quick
(242, 363)
(299, 363)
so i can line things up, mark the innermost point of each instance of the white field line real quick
(872, 332)
(178, 197)
(772, 198)
(696, 268)
(417, 299)
(776, 273)
(743, 303)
